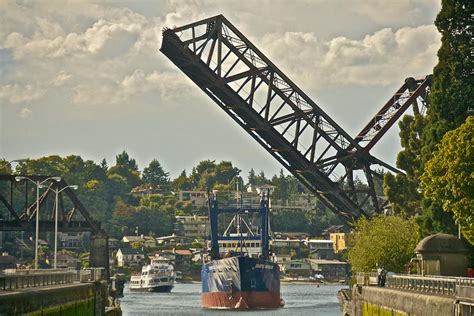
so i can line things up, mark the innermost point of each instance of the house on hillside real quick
(128, 257)
(145, 241)
(192, 227)
(67, 261)
(7, 261)
(340, 241)
(197, 198)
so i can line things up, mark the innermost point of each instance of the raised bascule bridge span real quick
(259, 97)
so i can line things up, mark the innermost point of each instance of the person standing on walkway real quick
(379, 276)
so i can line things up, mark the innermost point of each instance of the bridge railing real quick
(12, 279)
(440, 285)
(35, 278)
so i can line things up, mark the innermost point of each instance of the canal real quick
(300, 299)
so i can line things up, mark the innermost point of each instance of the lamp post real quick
(38, 185)
(57, 191)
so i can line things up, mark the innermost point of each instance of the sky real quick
(87, 78)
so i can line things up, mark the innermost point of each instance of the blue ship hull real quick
(240, 283)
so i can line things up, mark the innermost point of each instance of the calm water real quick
(185, 299)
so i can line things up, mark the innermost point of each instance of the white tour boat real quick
(158, 276)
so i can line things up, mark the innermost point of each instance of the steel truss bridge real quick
(72, 215)
(259, 97)
(75, 219)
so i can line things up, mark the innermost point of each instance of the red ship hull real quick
(241, 300)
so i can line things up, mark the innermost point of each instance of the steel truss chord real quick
(242, 81)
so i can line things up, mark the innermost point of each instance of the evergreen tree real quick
(154, 174)
(103, 164)
(123, 159)
(252, 177)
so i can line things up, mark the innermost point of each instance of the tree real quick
(124, 159)
(452, 93)
(451, 99)
(127, 168)
(182, 182)
(448, 176)
(154, 174)
(252, 177)
(388, 241)
(103, 164)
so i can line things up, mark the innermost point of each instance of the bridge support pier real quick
(99, 252)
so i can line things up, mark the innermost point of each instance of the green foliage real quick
(448, 177)
(154, 174)
(388, 241)
(402, 191)
(182, 182)
(451, 100)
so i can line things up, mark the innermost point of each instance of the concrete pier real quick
(66, 299)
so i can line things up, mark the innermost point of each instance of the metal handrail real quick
(441, 285)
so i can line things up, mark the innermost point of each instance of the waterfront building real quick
(181, 259)
(330, 268)
(298, 268)
(192, 227)
(320, 249)
(309, 267)
(128, 257)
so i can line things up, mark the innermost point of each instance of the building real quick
(7, 261)
(197, 198)
(442, 254)
(321, 249)
(181, 259)
(298, 268)
(193, 227)
(71, 240)
(330, 268)
(145, 241)
(340, 241)
(281, 259)
(145, 190)
(128, 257)
(250, 245)
(291, 235)
(67, 261)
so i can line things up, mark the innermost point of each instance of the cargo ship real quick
(240, 279)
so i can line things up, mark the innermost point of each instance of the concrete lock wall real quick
(75, 299)
(375, 301)
(99, 252)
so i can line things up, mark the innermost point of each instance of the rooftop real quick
(441, 243)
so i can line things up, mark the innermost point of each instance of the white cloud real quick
(380, 58)
(16, 93)
(162, 84)
(61, 78)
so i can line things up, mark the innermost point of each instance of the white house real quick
(129, 257)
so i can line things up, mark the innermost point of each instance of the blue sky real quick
(86, 78)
